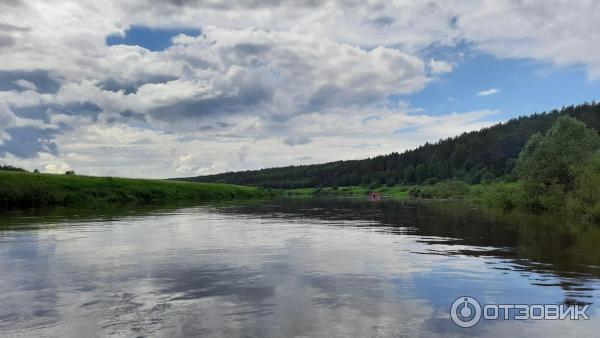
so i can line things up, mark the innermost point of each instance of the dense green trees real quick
(483, 156)
(557, 171)
(561, 169)
(550, 164)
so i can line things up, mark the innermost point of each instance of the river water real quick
(291, 268)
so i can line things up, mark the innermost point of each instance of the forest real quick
(485, 156)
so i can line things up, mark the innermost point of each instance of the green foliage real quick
(28, 189)
(506, 196)
(396, 192)
(421, 173)
(10, 168)
(585, 196)
(558, 171)
(409, 174)
(484, 156)
(373, 185)
(549, 164)
(502, 195)
(430, 181)
(487, 178)
(443, 190)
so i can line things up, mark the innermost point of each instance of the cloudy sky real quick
(149, 88)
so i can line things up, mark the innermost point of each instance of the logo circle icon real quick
(465, 312)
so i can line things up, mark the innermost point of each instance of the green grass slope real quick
(28, 189)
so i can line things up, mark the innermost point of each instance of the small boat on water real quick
(374, 196)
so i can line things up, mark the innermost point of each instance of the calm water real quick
(290, 268)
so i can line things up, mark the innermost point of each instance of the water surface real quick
(290, 268)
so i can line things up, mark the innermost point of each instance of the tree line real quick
(487, 155)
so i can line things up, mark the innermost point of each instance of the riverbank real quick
(23, 189)
(503, 195)
(396, 192)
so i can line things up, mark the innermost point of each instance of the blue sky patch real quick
(153, 39)
(515, 87)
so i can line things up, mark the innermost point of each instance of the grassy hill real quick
(29, 189)
(475, 157)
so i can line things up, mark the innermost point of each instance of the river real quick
(291, 268)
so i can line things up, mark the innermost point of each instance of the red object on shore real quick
(374, 196)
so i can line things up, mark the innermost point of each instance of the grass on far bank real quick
(395, 192)
(23, 189)
(502, 195)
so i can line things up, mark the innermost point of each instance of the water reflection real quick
(286, 268)
(560, 245)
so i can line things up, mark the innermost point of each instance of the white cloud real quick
(7, 120)
(228, 71)
(559, 32)
(58, 167)
(185, 165)
(7, 117)
(53, 164)
(488, 92)
(27, 85)
(440, 67)
(214, 168)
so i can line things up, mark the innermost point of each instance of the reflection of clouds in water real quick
(27, 277)
(558, 246)
(199, 271)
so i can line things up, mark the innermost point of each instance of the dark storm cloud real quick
(115, 85)
(43, 80)
(26, 142)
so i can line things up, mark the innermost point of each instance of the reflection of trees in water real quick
(554, 246)
(34, 218)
